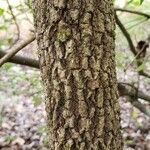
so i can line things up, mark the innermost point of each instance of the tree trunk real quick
(76, 51)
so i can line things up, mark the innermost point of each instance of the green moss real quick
(63, 34)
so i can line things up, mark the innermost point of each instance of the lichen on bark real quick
(77, 61)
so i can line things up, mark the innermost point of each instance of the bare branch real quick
(144, 74)
(126, 34)
(15, 49)
(22, 60)
(139, 106)
(129, 90)
(134, 12)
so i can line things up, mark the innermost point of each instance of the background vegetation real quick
(22, 115)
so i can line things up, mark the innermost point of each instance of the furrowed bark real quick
(76, 52)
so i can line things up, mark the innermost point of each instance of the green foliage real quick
(1, 113)
(1, 11)
(122, 59)
(129, 142)
(136, 2)
(27, 81)
(29, 3)
(141, 67)
(42, 129)
(135, 114)
(10, 138)
(36, 101)
(3, 27)
(22, 11)
(8, 66)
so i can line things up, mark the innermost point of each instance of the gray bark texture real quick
(77, 60)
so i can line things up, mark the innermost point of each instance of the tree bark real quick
(77, 60)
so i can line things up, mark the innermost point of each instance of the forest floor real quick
(23, 118)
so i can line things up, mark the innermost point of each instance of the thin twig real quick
(136, 56)
(15, 20)
(126, 34)
(134, 12)
(16, 49)
(136, 24)
(131, 45)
